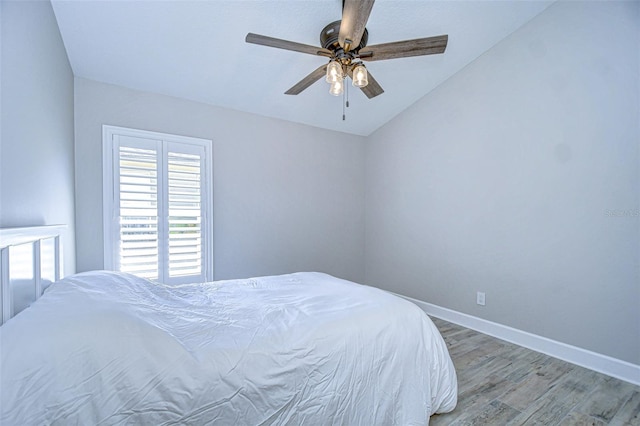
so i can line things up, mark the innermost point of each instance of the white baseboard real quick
(613, 367)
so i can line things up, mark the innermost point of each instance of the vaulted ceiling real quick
(196, 50)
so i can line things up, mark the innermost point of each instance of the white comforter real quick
(306, 348)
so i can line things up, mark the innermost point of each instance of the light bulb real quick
(337, 87)
(360, 77)
(334, 72)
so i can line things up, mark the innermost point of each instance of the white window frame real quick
(110, 210)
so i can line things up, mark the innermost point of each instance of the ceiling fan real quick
(344, 42)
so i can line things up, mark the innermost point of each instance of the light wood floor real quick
(503, 384)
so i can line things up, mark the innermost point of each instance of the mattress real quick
(307, 348)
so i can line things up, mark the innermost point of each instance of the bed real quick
(306, 348)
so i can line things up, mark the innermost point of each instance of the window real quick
(157, 205)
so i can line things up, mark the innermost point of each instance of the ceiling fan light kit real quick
(344, 42)
(336, 74)
(334, 71)
(337, 87)
(360, 76)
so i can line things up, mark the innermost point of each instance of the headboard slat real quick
(34, 235)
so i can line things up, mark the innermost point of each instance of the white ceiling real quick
(196, 50)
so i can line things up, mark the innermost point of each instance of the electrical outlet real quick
(480, 298)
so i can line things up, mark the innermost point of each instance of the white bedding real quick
(305, 348)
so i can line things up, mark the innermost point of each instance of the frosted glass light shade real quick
(334, 72)
(337, 87)
(360, 76)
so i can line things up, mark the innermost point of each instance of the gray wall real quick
(519, 177)
(36, 149)
(287, 197)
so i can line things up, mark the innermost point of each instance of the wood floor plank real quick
(538, 383)
(473, 392)
(496, 413)
(629, 414)
(484, 351)
(579, 419)
(496, 366)
(564, 395)
(531, 363)
(607, 399)
(468, 342)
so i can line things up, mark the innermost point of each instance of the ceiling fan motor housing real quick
(329, 37)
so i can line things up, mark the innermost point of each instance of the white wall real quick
(36, 149)
(506, 178)
(287, 197)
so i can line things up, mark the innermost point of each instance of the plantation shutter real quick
(185, 212)
(160, 220)
(139, 231)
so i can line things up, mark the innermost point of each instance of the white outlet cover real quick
(480, 298)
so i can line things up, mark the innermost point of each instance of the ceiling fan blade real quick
(287, 45)
(372, 89)
(355, 14)
(307, 81)
(406, 48)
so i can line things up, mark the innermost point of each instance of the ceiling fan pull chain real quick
(345, 101)
(347, 95)
(344, 94)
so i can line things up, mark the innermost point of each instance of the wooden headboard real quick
(30, 260)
